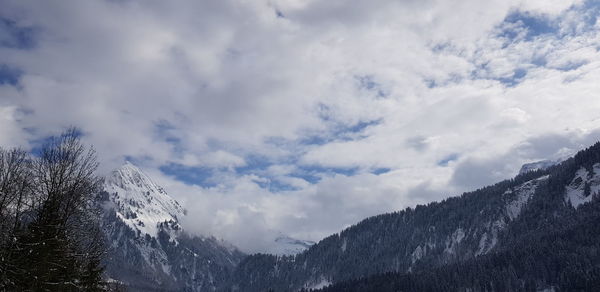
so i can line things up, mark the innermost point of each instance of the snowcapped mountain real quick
(139, 202)
(148, 249)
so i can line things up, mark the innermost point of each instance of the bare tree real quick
(14, 193)
(14, 186)
(59, 247)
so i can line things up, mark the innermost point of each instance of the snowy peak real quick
(139, 202)
(129, 177)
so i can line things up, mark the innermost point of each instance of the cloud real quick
(304, 116)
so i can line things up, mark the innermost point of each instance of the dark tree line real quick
(50, 237)
(565, 258)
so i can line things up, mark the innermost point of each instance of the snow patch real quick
(321, 283)
(523, 193)
(417, 254)
(583, 187)
(489, 239)
(517, 197)
(454, 240)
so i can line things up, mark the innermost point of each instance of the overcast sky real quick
(304, 116)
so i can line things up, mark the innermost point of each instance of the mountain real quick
(537, 231)
(148, 249)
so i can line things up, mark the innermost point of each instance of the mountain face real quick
(148, 249)
(534, 232)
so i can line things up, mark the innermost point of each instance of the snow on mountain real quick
(583, 186)
(139, 202)
(523, 194)
(516, 199)
(149, 251)
(286, 245)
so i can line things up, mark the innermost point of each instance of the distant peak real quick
(542, 164)
(129, 175)
(139, 202)
(129, 165)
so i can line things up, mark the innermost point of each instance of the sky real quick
(304, 116)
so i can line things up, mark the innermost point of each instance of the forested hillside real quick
(562, 256)
(532, 232)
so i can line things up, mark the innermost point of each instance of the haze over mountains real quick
(150, 250)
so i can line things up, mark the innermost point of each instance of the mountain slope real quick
(563, 259)
(148, 249)
(552, 247)
(477, 225)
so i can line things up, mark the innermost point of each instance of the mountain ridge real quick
(457, 230)
(552, 247)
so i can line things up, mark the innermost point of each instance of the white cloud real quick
(222, 84)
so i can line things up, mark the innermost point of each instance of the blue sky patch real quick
(368, 82)
(38, 144)
(446, 160)
(274, 185)
(279, 14)
(337, 132)
(163, 130)
(430, 83)
(16, 37)
(535, 25)
(201, 176)
(573, 65)
(254, 164)
(511, 81)
(9, 75)
(381, 170)
(313, 174)
(359, 127)
(515, 79)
